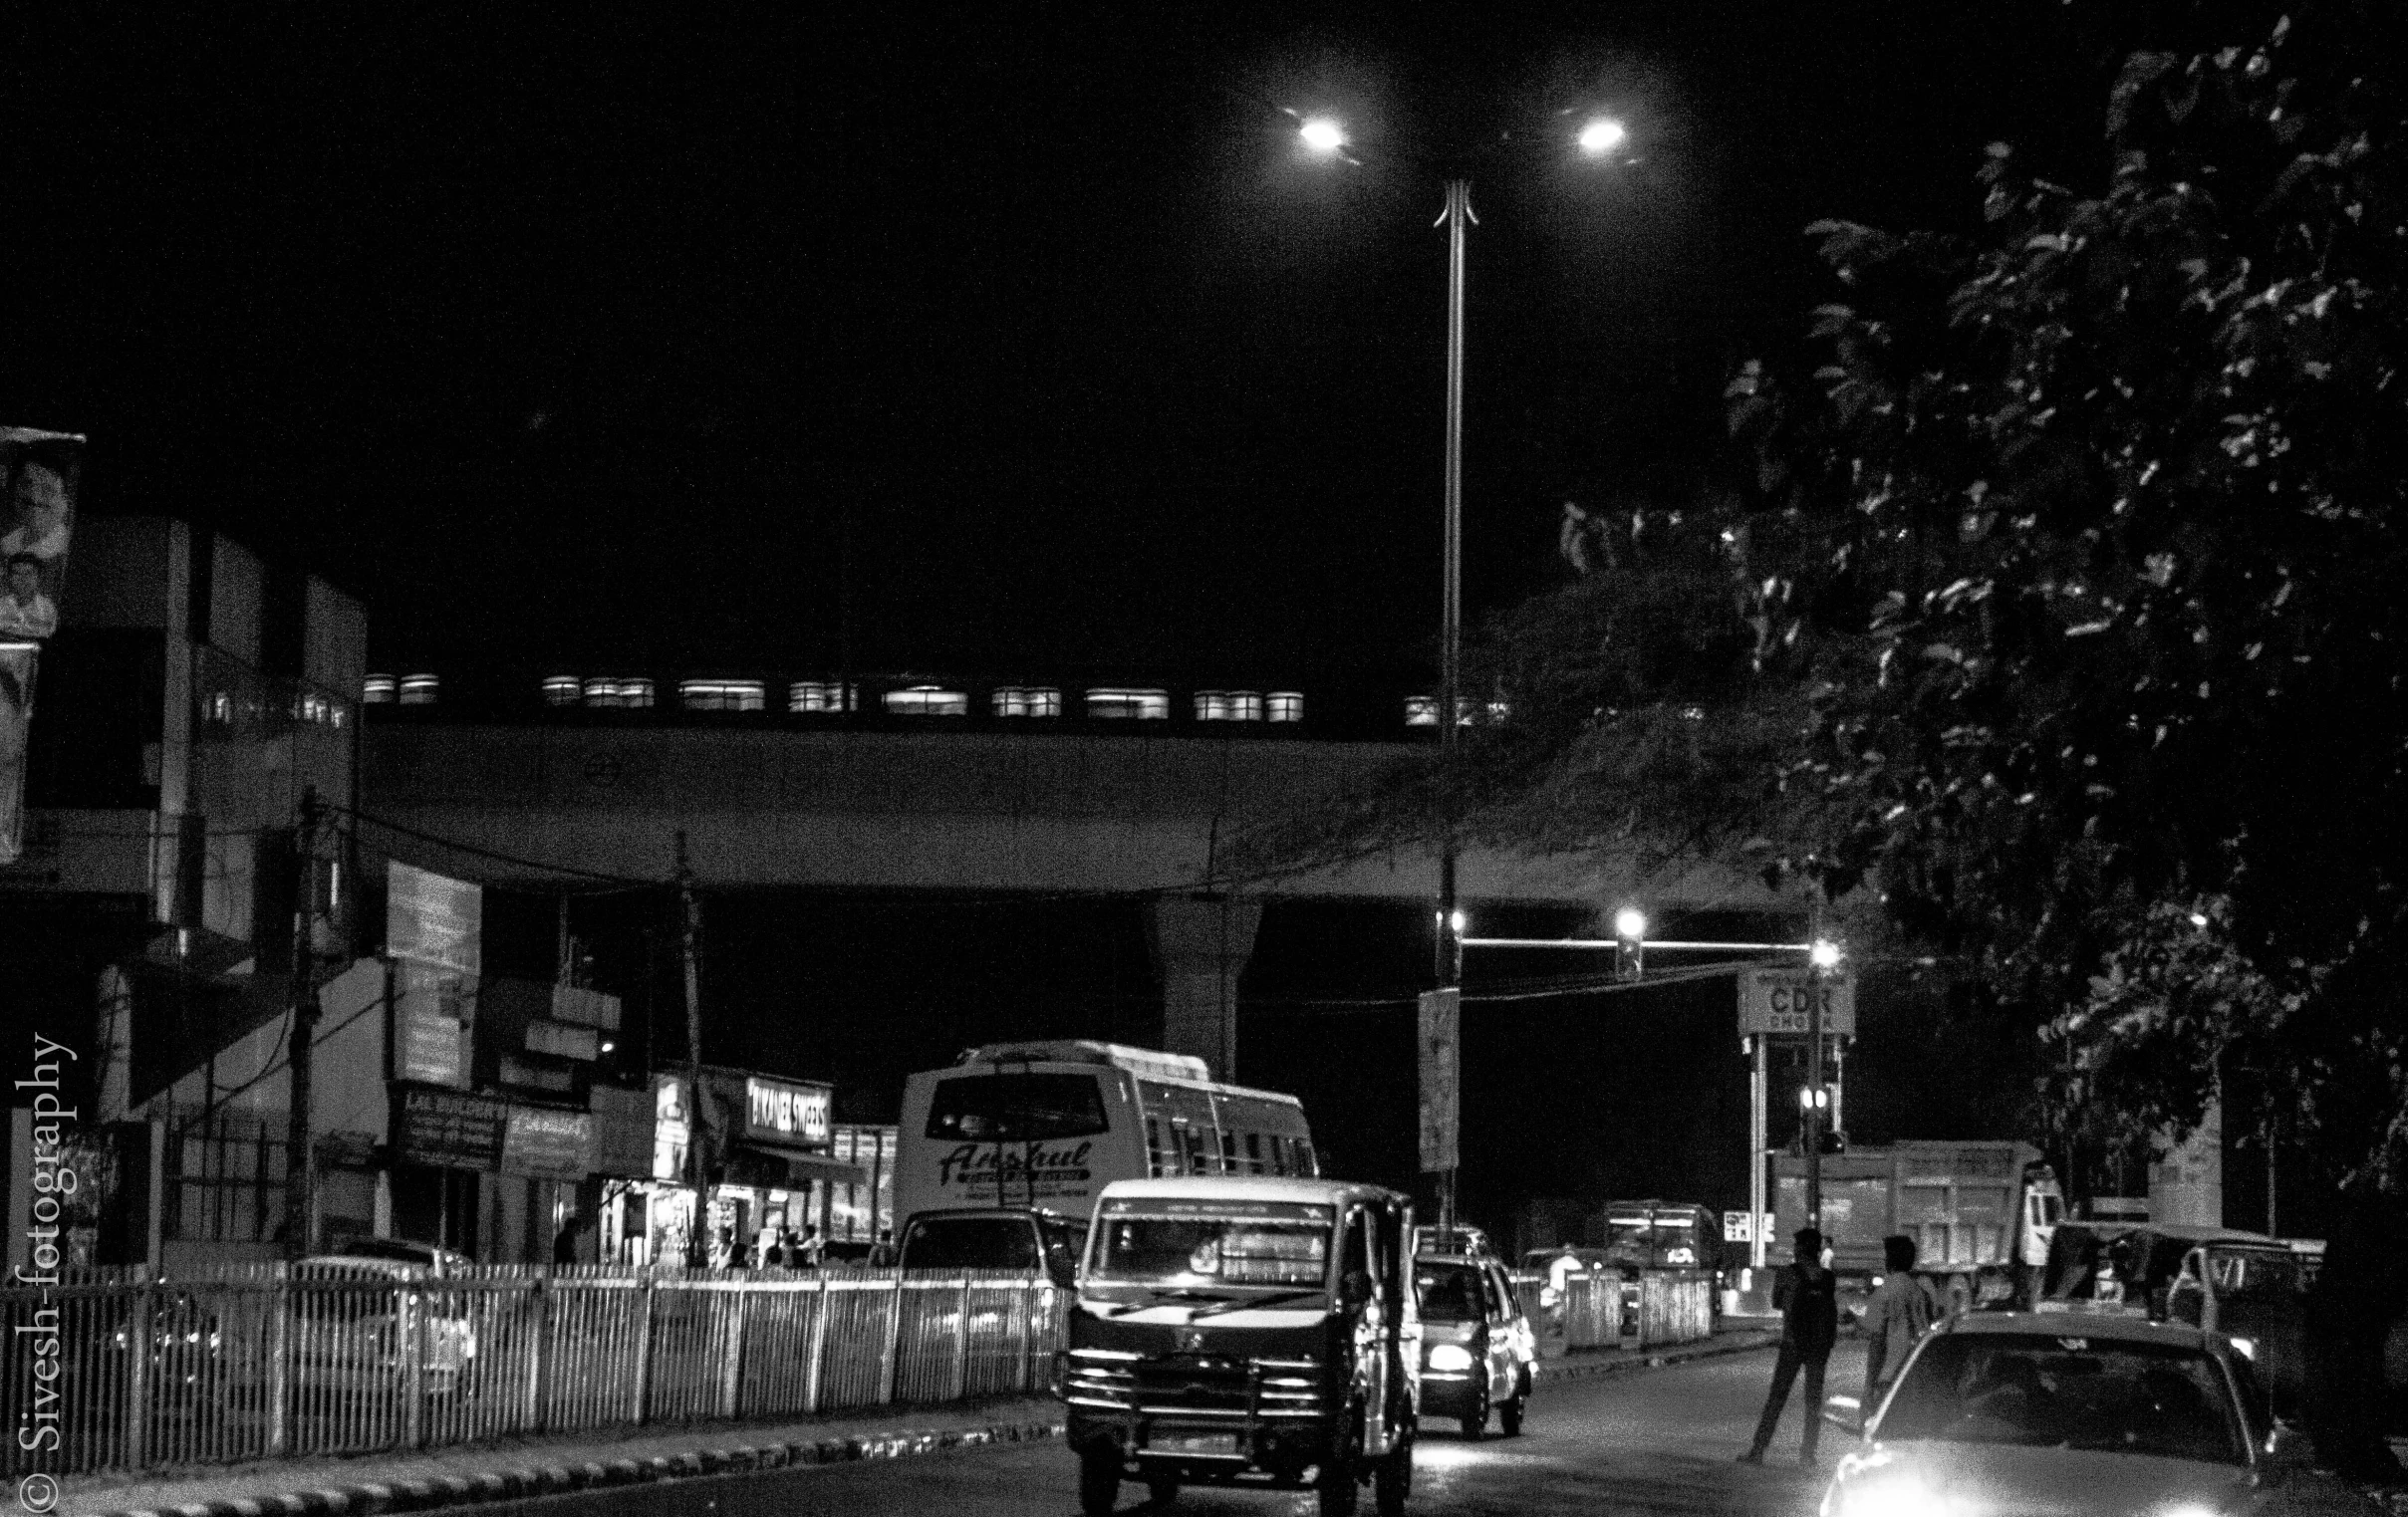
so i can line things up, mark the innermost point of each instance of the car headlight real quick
(1900, 1494)
(1449, 1356)
(2247, 1345)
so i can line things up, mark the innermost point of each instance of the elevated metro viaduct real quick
(960, 811)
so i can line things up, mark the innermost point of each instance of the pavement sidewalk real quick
(513, 1468)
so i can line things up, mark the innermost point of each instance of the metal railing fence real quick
(258, 1362)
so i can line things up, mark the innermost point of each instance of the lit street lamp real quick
(1325, 136)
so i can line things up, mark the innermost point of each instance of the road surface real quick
(1650, 1443)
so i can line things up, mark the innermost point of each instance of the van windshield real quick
(1200, 1249)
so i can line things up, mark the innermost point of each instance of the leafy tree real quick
(2062, 615)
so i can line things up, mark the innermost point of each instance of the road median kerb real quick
(1618, 1362)
(376, 1497)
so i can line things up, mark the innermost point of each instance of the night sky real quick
(988, 339)
(639, 333)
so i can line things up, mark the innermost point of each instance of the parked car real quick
(364, 1340)
(2069, 1414)
(1478, 1351)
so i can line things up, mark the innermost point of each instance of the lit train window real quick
(1114, 704)
(1286, 705)
(1027, 700)
(819, 695)
(1421, 711)
(926, 700)
(316, 709)
(632, 694)
(721, 694)
(419, 689)
(1228, 705)
(376, 690)
(563, 691)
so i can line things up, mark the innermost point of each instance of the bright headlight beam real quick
(1322, 135)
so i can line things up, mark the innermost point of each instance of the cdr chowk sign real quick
(1782, 1001)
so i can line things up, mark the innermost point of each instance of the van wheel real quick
(1099, 1484)
(1338, 1493)
(1162, 1490)
(1394, 1482)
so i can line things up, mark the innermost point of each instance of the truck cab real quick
(1245, 1332)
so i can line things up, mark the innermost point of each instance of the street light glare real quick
(1322, 135)
(1824, 955)
(1630, 923)
(1601, 136)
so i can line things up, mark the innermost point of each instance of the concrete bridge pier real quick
(1200, 945)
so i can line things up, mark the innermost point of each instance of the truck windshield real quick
(1206, 1251)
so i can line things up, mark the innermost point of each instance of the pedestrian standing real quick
(1900, 1312)
(1809, 1297)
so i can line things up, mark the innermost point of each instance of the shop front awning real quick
(784, 1168)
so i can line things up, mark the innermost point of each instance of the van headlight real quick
(1449, 1357)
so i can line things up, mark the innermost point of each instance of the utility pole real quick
(698, 1250)
(1457, 218)
(300, 1164)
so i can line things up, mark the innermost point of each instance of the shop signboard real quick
(1442, 1013)
(623, 1132)
(433, 919)
(39, 473)
(548, 1144)
(590, 1008)
(563, 1040)
(432, 1012)
(788, 1112)
(671, 1127)
(446, 1129)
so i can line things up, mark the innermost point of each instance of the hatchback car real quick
(2065, 1413)
(1478, 1353)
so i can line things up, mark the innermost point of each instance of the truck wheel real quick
(1394, 1482)
(1099, 1484)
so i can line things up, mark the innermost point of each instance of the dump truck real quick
(1981, 1214)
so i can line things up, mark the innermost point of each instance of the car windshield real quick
(1448, 1292)
(2073, 1392)
(1206, 1251)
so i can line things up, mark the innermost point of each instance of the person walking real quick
(1809, 1297)
(1900, 1312)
